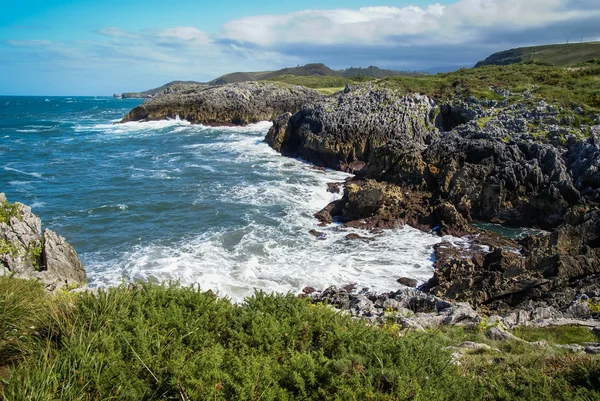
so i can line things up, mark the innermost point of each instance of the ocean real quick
(168, 200)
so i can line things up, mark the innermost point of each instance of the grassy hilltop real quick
(562, 55)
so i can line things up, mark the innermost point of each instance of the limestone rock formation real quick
(26, 253)
(345, 129)
(232, 104)
(439, 167)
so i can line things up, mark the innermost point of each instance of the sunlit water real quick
(173, 201)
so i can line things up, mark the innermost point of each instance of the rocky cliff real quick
(440, 166)
(232, 104)
(28, 253)
(343, 131)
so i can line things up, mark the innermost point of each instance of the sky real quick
(101, 47)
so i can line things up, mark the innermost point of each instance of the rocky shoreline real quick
(437, 166)
(233, 104)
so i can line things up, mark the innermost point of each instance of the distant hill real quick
(311, 70)
(171, 87)
(376, 72)
(558, 55)
(316, 76)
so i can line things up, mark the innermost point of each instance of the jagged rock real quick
(355, 237)
(232, 104)
(308, 290)
(334, 187)
(61, 266)
(27, 254)
(345, 129)
(442, 167)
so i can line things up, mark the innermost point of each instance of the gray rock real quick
(572, 348)
(48, 258)
(232, 104)
(460, 314)
(498, 334)
(408, 282)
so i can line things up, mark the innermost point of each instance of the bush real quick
(173, 343)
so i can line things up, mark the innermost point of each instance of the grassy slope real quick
(311, 70)
(172, 343)
(560, 86)
(557, 55)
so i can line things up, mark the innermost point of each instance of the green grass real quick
(557, 335)
(173, 343)
(556, 55)
(562, 87)
(329, 91)
(316, 81)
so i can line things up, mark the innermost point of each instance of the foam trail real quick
(271, 248)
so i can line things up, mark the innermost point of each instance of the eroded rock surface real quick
(28, 254)
(342, 131)
(438, 167)
(232, 104)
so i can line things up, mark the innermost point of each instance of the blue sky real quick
(62, 47)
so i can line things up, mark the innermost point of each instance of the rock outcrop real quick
(27, 253)
(232, 104)
(343, 131)
(439, 167)
(413, 309)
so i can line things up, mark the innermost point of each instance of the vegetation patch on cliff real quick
(174, 343)
(564, 87)
(8, 210)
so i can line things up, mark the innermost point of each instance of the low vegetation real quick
(563, 87)
(319, 82)
(173, 343)
(8, 210)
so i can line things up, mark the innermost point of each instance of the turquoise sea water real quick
(169, 200)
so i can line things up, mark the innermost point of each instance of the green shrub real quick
(174, 343)
(8, 210)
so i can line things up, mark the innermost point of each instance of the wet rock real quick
(308, 290)
(318, 234)
(357, 237)
(334, 187)
(408, 282)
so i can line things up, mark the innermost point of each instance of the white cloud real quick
(412, 37)
(186, 33)
(376, 25)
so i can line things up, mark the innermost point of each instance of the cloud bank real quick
(433, 37)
